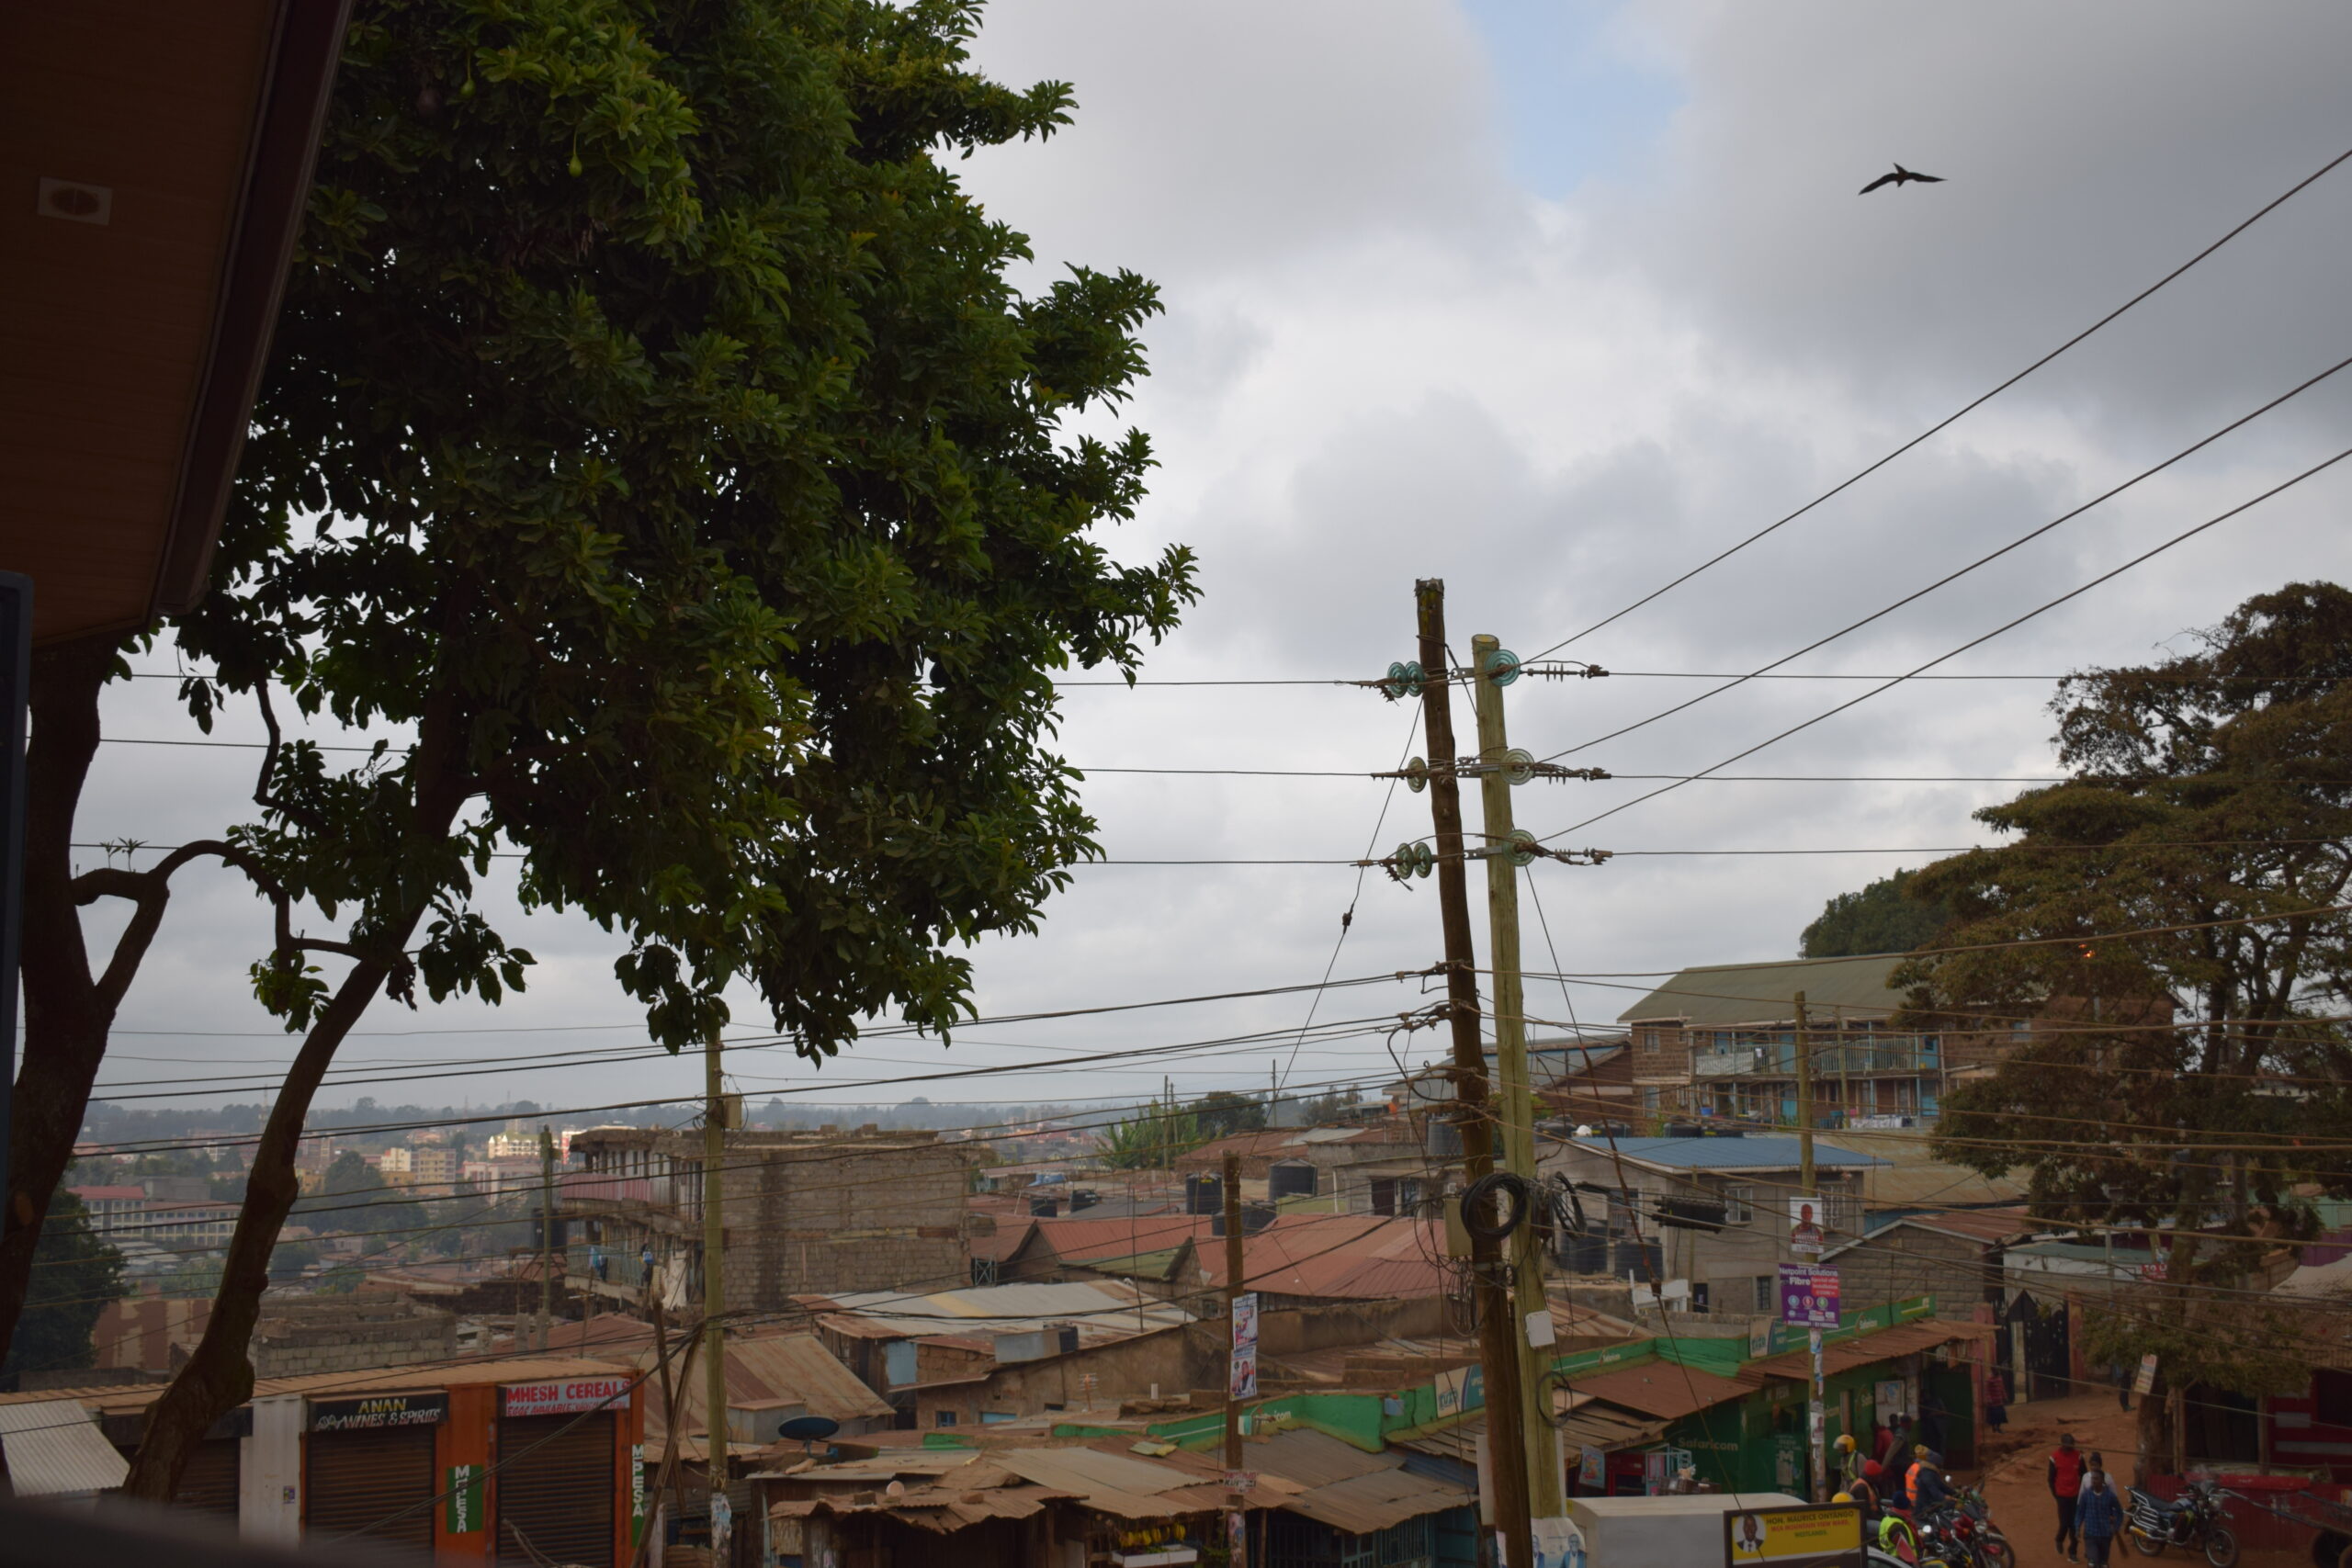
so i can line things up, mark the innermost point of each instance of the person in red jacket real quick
(2066, 1487)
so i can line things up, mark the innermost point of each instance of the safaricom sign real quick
(567, 1397)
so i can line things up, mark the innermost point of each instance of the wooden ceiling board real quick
(133, 346)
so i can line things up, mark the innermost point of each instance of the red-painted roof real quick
(1081, 1240)
(1362, 1256)
(1006, 1242)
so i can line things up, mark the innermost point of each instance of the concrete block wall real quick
(347, 1333)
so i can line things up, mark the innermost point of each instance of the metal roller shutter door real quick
(209, 1482)
(359, 1479)
(555, 1483)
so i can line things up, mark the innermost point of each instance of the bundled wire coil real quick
(1520, 1196)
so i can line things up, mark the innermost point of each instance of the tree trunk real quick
(66, 1016)
(218, 1376)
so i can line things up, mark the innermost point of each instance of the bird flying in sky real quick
(1901, 176)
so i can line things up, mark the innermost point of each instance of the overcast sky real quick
(1552, 301)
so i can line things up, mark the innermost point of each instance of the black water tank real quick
(1255, 1217)
(1294, 1179)
(1641, 1261)
(1204, 1194)
(1685, 1130)
(1045, 1208)
(1585, 1254)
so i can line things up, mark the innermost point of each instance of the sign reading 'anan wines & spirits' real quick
(378, 1410)
(565, 1396)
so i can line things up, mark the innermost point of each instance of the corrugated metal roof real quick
(1129, 1487)
(1350, 1256)
(1844, 1354)
(1724, 996)
(1662, 1388)
(1768, 1153)
(1100, 1310)
(771, 1366)
(1005, 1241)
(55, 1448)
(1315, 1459)
(456, 1373)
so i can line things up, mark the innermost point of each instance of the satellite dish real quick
(809, 1428)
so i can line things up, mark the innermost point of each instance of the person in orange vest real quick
(2067, 1487)
(1923, 1485)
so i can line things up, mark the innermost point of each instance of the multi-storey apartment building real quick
(804, 1213)
(177, 1213)
(1718, 1042)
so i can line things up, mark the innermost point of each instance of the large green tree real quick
(2194, 1079)
(75, 1274)
(1884, 916)
(656, 453)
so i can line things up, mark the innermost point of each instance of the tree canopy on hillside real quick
(1884, 916)
(2163, 936)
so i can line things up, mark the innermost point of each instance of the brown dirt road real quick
(2015, 1480)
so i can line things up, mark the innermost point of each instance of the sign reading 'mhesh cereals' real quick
(565, 1396)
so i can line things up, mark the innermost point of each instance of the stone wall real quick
(353, 1333)
(1902, 1261)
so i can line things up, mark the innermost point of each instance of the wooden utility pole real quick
(547, 1237)
(1518, 1096)
(1231, 1194)
(1817, 1409)
(1499, 1335)
(1804, 1105)
(713, 1247)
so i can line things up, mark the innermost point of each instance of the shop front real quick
(565, 1482)
(368, 1467)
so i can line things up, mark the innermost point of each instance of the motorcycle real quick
(1990, 1543)
(1950, 1533)
(2193, 1520)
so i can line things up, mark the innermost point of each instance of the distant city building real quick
(512, 1145)
(172, 1214)
(396, 1164)
(433, 1167)
(496, 1177)
(805, 1212)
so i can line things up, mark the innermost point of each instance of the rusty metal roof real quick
(456, 1373)
(1846, 1353)
(1315, 1459)
(770, 1367)
(1345, 1488)
(1122, 1484)
(1663, 1389)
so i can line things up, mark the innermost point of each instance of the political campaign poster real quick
(1245, 1319)
(1244, 1381)
(1805, 1226)
(1801, 1537)
(1808, 1296)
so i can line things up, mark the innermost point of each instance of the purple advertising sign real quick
(1808, 1296)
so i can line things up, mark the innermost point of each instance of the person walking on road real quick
(2099, 1513)
(2066, 1485)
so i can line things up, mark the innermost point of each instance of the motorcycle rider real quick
(2098, 1512)
(1923, 1483)
(2065, 1488)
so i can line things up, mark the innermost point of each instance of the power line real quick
(1347, 916)
(2181, 537)
(1965, 409)
(1985, 560)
